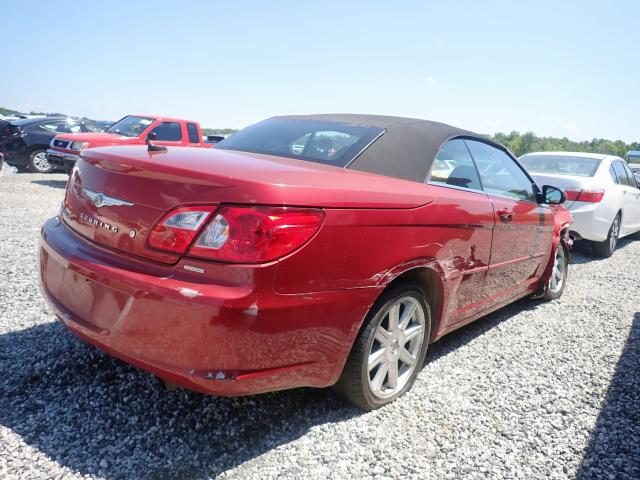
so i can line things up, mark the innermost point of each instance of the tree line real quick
(518, 143)
(521, 143)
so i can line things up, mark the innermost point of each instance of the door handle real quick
(505, 215)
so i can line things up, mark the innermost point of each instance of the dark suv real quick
(24, 142)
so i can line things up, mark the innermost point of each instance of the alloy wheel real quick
(393, 355)
(615, 231)
(40, 162)
(557, 273)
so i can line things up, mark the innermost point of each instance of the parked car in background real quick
(635, 169)
(302, 251)
(213, 139)
(24, 142)
(602, 194)
(65, 149)
(104, 124)
(19, 116)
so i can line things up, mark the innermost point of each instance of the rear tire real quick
(390, 349)
(606, 248)
(38, 162)
(559, 274)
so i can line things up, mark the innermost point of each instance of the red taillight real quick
(176, 230)
(256, 234)
(590, 195)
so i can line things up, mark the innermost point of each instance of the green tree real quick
(521, 143)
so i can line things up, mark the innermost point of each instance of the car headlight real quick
(79, 145)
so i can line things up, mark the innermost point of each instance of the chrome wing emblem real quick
(99, 199)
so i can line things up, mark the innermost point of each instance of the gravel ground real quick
(536, 390)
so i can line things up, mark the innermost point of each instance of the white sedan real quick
(603, 195)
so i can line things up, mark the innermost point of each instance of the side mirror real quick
(150, 146)
(552, 195)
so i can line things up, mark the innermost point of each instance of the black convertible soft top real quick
(406, 149)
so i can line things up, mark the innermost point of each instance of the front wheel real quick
(39, 163)
(388, 353)
(559, 274)
(606, 248)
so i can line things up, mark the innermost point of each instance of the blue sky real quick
(562, 68)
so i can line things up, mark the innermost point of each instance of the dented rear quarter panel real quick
(357, 249)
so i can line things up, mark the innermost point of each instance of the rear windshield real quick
(331, 143)
(130, 126)
(561, 165)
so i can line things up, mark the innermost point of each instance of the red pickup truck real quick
(131, 130)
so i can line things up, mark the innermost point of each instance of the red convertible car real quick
(302, 251)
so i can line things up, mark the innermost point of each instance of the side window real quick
(92, 127)
(66, 127)
(614, 175)
(192, 131)
(49, 127)
(168, 132)
(630, 176)
(620, 173)
(61, 127)
(454, 166)
(499, 173)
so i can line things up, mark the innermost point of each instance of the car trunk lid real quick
(118, 194)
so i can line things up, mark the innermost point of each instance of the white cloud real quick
(432, 80)
(572, 126)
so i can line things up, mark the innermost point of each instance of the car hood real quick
(95, 138)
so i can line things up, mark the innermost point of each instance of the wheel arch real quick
(36, 146)
(430, 282)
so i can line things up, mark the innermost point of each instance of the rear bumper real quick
(225, 333)
(62, 160)
(590, 222)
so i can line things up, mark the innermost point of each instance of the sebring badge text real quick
(98, 223)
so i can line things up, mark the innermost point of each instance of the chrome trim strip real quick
(64, 155)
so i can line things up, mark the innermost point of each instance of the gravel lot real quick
(537, 390)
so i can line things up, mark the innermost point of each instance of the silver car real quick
(603, 194)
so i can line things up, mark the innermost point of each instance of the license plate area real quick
(94, 303)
